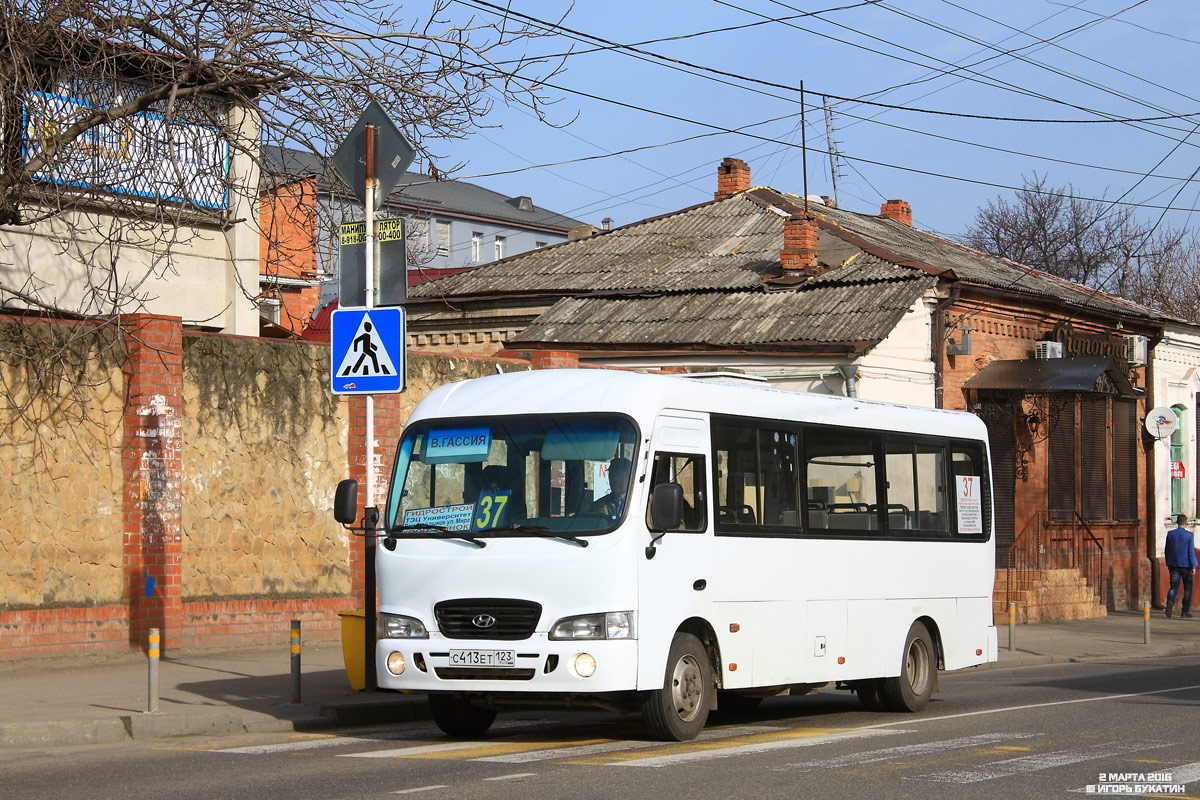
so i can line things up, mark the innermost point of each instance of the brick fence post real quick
(152, 474)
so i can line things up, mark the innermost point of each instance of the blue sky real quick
(1104, 59)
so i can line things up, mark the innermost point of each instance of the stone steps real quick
(1046, 595)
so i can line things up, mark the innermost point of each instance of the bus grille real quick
(514, 619)
(483, 674)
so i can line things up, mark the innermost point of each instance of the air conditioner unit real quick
(1136, 350)
(1047, 350)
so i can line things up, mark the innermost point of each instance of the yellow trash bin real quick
(354, 634)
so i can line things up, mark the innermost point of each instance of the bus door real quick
(673, 582)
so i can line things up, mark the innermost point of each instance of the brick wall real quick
(1006, 332)
(288, 249)
(189, 488)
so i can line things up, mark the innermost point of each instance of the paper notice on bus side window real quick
(970, 504)
(453, 518)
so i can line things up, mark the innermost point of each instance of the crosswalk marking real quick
(312, 742)
(422, 789)
(427, 751)
(1037, 762)
(617, 745)
(762, 743)
(904, 751)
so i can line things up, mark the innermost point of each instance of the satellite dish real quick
(1161, 422)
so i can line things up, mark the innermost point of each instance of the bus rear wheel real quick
(456, 716)
(677, 712)
(911, 689)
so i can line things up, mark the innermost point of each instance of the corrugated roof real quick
(727, 245)
(830, 312)
(420, 191)
(922, 247)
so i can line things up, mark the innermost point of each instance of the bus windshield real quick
(520, 476)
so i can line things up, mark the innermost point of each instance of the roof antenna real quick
(804, 147)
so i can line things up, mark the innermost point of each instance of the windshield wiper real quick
(436, 532)
(546, 533)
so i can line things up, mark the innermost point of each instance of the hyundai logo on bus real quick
(483, 621)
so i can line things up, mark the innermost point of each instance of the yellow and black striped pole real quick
(295, 661)
(152, 681)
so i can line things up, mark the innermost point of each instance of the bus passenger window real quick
(916, 481)
(841, 491)
(688, 472)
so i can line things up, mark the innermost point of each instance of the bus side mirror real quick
(666, 506)
(345, 502)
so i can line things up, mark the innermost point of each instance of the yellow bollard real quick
(1012, 627)
(295, 661)
(152, 678)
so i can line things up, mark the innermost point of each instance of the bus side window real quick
(688, 472)
(966, 460)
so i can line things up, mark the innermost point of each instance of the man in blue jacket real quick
(1180, 555)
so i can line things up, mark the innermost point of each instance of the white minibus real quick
(672, 544)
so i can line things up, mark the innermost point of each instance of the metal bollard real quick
(295, 661)
(152, 679)
(1146, 623)
(1012, 627)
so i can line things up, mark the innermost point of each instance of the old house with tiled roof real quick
(817, 298)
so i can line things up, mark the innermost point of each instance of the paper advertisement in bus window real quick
(970, 505)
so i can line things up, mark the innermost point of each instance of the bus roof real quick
(642, 397)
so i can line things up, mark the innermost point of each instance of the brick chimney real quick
(799, 253)
(733, 176)
(583, 231)
(897, 210)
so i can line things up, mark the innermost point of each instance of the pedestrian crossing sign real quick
(367, 350)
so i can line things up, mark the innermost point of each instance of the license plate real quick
(483, 658)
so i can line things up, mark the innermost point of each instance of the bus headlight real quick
(613, 625)
(397, 626)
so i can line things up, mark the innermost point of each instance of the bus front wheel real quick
(911, 689)
(677, 712)
(456, 716)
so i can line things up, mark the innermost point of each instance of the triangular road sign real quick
(368, 356)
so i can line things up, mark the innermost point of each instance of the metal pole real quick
(370, 520)
(804, 148)
(1146, 623)
(152, 678)
(295, 661)
(371, 513)
(1012, 627)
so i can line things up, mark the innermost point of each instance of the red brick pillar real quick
(150, 461)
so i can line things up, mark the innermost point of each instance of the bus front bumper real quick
(531, 665)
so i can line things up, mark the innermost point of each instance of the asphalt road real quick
(1036, 732)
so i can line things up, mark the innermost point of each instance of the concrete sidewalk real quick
(104, 700)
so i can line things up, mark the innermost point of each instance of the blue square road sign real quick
(367, 351)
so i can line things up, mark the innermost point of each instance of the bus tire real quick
(456, 716)
(870, 694)
(911, 689)
(677, 712)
